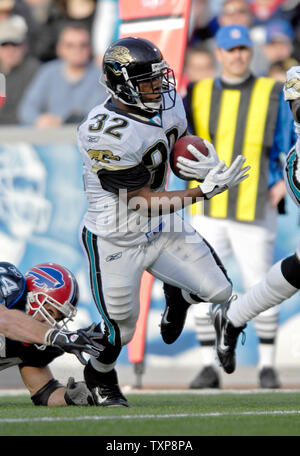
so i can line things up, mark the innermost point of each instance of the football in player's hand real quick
(180, 150)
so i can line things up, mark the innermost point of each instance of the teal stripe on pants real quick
(96, 285)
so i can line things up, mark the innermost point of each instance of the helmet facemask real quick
(36, 306)
(132, 93)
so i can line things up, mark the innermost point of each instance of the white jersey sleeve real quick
(108, 142)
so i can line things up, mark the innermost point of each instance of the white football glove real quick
(291, 88)
(191, 169)
(220, 178)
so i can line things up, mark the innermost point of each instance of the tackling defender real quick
(30, 337)
(283, 279)
(131, 224)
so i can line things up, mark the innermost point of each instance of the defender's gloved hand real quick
(78, 394)
(75, 342)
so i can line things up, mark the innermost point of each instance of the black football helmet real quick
(131, 61)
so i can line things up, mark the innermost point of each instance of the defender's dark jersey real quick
(13, 296)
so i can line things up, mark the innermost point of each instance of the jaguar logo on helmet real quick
(120, 54)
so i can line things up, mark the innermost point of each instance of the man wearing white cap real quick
(18, 67)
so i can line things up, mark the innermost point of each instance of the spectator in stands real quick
(17, 66)
(38, 8)
(6, 7)
(266, 10)
(199, 64)
(61, 91)
(7, 11)
(278, 70)
(233, 12)
(279, 41)
(236, 12)
(60, 12)
(22, 9)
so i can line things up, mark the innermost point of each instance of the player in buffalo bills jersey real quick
(31, 336)
(131, 223)
(283, 280)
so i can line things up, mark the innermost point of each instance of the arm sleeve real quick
(130, 179)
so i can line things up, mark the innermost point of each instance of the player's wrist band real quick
(47, 340)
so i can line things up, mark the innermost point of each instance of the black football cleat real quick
(208, 377)
(226, 336)
(268, 378)
(105, 386)
(174, 316)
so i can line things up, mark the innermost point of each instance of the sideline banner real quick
(164, 22)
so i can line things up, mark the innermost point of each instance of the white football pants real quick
(182, 259)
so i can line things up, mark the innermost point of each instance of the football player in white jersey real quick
(283, 279)
(131, 223)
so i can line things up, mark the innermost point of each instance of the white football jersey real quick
(114, 140)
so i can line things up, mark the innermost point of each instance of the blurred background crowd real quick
(51, 50)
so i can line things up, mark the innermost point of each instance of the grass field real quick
(160, 413)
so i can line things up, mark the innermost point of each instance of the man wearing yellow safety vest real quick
(241, 114)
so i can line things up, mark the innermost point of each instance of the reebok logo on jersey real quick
(93, 139)
(114, 256)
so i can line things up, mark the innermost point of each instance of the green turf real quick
(70, 421)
